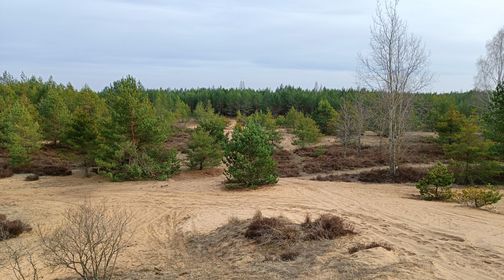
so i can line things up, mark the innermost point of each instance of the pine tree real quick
(19, 130)
(306, 132)
(494, 120)
(210, 122)
(249, 157)
(292, 118)
(204, 151)
(54, 114)
(325, 116)
(471, 154)
(267, 121)
(132, 141)
(86, 123)
(449, 125)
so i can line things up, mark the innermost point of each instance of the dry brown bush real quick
(88, 241)
(11, 229)
(272, 230)
(326, 227)
(359, 247)
(279, 230)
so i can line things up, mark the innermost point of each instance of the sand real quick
(431, 240)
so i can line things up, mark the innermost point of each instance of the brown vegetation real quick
(11, 229)
(286, 164)
(330, 158)
(49, 161)
(403, 175)
(366, 246)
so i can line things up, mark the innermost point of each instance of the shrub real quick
(436, 185)
(5, 172)
(88, 241)
(266, 230)
(11, 229)
(325, 227)
(478, 197)
(249, 157)
(306, 132)
(203, 150)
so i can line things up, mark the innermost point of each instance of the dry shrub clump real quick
(360, 246)
(11, 229)
(266, 230)
(5, 172)
(325, 227)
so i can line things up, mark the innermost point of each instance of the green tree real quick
(132, 141)
(292, 118)
(210, 122)
(19, 130)
(436, 185)
(249, 157)
(470, 153)
(267, 121)
(54, 114)
(306, 132)
(204, 151)
(86, 123)
(449, 125)
(326, 116)
(494, 119)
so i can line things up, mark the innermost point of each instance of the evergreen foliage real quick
(249, 157)
(436, 185)
(326, 117)
(204, 151)
(470, 153)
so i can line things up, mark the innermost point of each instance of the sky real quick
(265, 43)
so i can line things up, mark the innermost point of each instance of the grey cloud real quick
(219, 42)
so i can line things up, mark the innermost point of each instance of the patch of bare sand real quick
(431, 240)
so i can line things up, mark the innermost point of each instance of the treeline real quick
(123, 129)
(228, 101)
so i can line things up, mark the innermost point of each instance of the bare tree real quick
(491, 66)
(21, 260)
(88, 241)
(396, 67)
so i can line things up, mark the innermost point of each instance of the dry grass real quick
(326, 227)
(366, 246)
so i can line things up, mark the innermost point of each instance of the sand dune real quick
(431, 240)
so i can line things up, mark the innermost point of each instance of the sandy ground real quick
(431, 240)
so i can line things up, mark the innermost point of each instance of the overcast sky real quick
(265, 43)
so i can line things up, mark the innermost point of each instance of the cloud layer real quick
(188, 43)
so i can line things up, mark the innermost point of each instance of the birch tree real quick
(491, 66)
(396, 67)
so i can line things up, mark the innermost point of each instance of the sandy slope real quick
(430, 239)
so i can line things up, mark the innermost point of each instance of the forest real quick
(122, 130)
